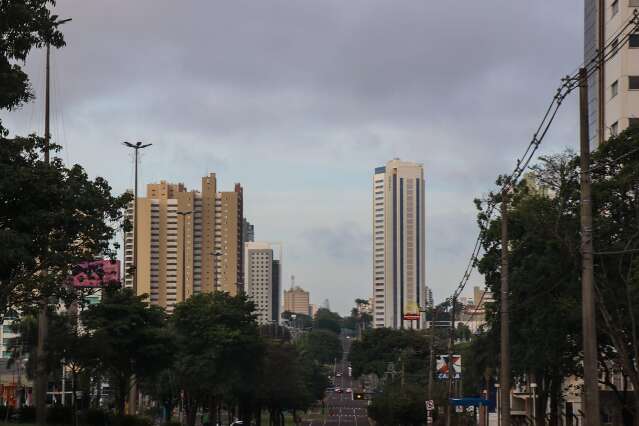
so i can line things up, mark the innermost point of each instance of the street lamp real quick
(184, 215)
(498, 407)
(533, 386)
(137, 147)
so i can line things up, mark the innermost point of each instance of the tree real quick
(219, 353)
(280, 392)
(299, 321)
(544, 298)
(130, 339)
(327, 320)
(24, 24)
(322, 346)
(399, 405)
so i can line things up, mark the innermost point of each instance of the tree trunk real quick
(213, 411)
(554, 402)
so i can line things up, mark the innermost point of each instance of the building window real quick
(633, 82)
(614, 89)
(614, 129)
(633, 41)
(614, 7)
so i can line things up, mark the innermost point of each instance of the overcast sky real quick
(300, 100)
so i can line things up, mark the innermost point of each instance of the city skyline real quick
(303, 129)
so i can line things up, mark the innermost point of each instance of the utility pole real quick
(591, 387)
(41, 381)
(42, 376)
(504, 370)
(451, 367)
(136, 147)
(431, 356)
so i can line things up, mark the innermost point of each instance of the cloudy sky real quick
(300, 100)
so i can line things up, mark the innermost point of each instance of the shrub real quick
(60, 415)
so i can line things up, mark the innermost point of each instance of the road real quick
(340, 408)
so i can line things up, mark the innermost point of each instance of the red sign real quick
(411, 317)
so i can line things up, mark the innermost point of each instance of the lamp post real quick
(136, 147)
(498, 407)
(533, 386)
(184, 215)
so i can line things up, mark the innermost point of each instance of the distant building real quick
(430, 302)
(398, 243)
(276, 290)
(296, 300)
(260, 280)
(481, 297)
(248, 231)
(204, 246)
(312, 309)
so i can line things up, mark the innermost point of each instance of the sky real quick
(300, 100)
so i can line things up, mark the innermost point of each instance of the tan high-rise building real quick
(398, 244)
(297, 300)
(189, 242)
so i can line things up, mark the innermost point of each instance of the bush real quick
(27, 414)
(172, 423)
(60, 415)
(136, 421)
(96, 417)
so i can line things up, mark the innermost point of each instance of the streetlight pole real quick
(184, 215)
(533, 386)
(136, 147)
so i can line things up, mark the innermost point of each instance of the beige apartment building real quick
(297, 300)
(398, 244)
(189, 242)
(613, 91)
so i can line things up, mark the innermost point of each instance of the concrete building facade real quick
(261, 271)
(189, 242)
(613, 92)
(398, 243)
(297, 300)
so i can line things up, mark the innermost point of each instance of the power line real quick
(569, 83)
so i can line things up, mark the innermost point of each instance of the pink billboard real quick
(97, 273)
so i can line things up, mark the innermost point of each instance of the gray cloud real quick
(300, 100)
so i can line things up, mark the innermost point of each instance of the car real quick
(338, 375)
(349, 390)
(338, 390)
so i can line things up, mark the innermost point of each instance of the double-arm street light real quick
(137, 147)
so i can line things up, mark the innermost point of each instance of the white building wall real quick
(258, 278)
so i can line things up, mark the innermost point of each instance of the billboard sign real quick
(97, 273)
(443, 367)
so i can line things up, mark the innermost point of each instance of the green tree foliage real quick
(129, 338)
(381, 346)
(51, 218)
(327, 320)
(24, 25)
(322, 346)
(399, 405)
(219, 354)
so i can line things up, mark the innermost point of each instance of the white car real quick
(349, 390)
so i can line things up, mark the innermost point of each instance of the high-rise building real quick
(189, 242)
(297, 300)
(248, 231)
(261, 272)
(276, 296)
(613, 97)
(398, 244)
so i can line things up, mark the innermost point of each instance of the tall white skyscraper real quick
(398, 244)
(613, 92)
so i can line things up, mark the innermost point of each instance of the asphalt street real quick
(340, 408)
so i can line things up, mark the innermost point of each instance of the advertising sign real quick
(443, 367)
(96, 273)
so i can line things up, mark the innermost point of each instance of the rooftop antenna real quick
(292, 281)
